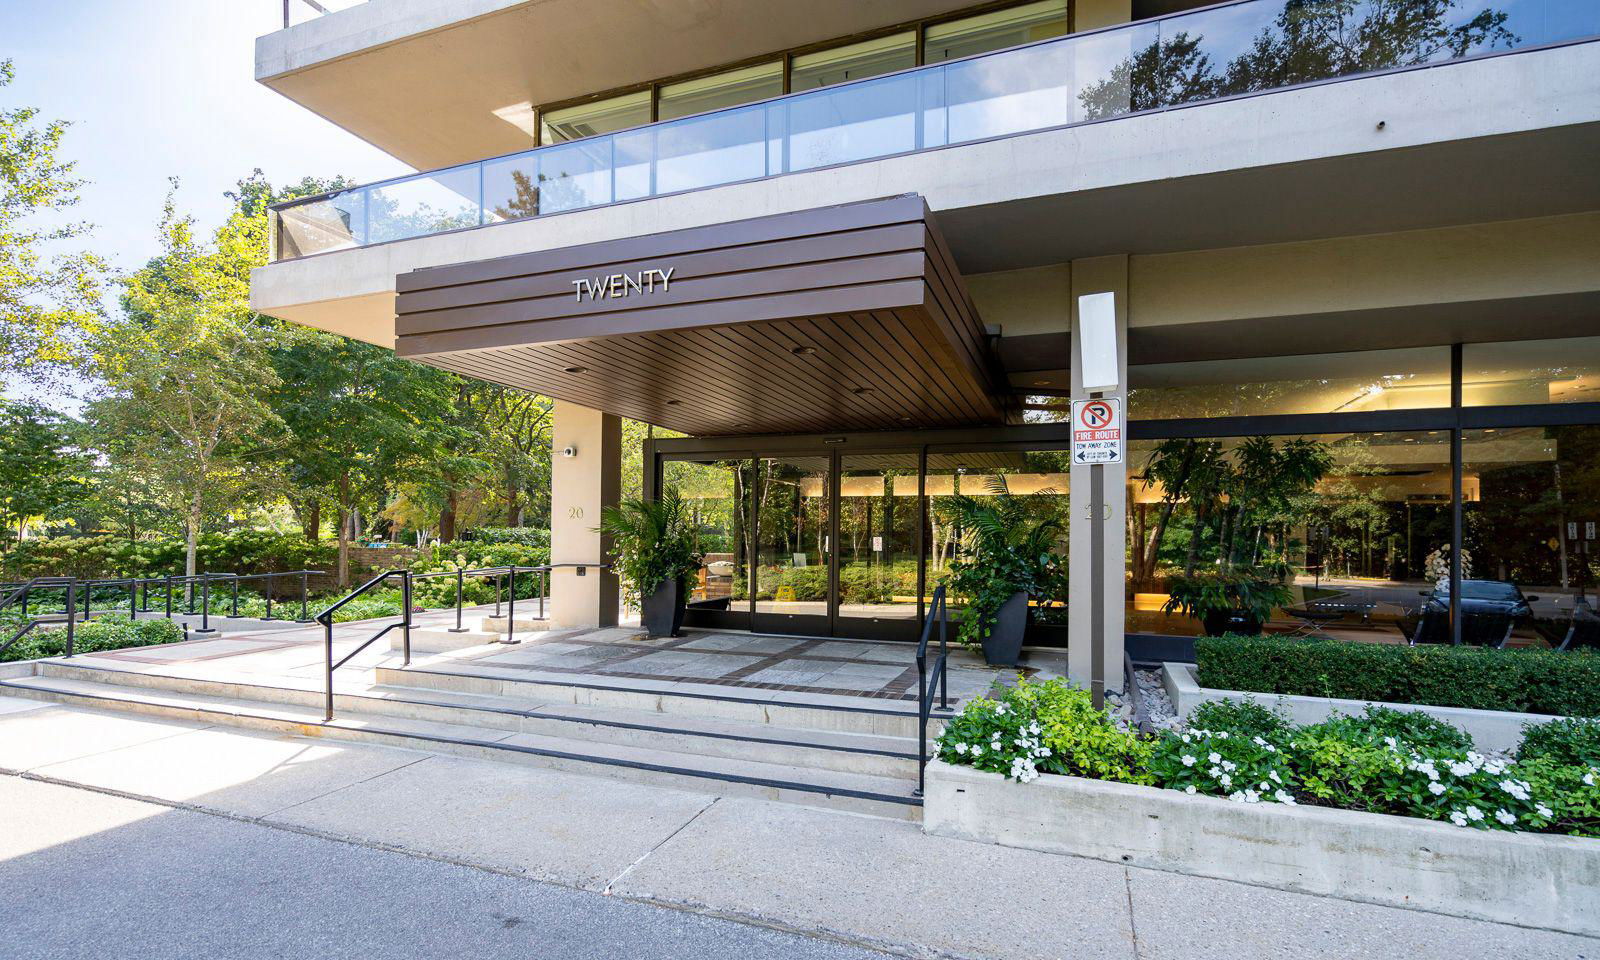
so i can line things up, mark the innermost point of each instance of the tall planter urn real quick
(663, 609)
(1003, 646)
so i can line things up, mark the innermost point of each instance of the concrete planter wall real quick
(1530, 879)
(1492, 730)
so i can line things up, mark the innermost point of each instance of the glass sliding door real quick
(793, 574)
(878, 516)
(716, 494)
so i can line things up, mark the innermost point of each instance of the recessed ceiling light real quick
(577, 369)
(1041, 383)
(803, 351)
(861, 391)
(674, 403)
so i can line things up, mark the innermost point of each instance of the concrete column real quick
(1095, 275)
(580, 485)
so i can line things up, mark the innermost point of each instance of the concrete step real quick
(810, 711)
(882, 796)
(441, 640)
(524, 624)
(817, 749)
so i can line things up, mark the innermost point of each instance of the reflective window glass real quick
(1320, 383)
(853, 61)
(719, 90)
(591, 119)
(994, 31)
(1531, 371)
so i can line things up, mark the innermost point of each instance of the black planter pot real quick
(662, 610)
(1003, 645)
(1242, 622)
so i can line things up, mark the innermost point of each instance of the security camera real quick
(569, 451)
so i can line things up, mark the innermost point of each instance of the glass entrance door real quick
(878, 519)
(792, 574)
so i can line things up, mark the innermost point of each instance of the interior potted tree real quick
(1227, 601)
(1008, 561)
(654, 549)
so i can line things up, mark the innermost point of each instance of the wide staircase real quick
(786, 746)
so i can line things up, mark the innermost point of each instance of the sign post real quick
(1097, 441)
(1097, 430)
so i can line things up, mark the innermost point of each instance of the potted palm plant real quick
(1008, 562)
(654, 548)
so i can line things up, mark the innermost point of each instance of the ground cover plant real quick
(1402, 763)
(94, 636)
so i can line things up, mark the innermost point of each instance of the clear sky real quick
(160, 88)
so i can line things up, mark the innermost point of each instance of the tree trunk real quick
(311, 521)
(447, 519)
(191, 538)
(513, 503)
(344, 548)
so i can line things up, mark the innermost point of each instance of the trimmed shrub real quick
(105, 556)
(102, 633)
(524, 536)
(1241, 718)
(1527, 681)
(1569, 742)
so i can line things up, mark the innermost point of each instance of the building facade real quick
(839, 249)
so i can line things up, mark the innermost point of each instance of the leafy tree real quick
(183, 370)
(41, 299)
(40, 473)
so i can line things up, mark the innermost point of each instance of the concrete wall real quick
(580, 486)
(1196, 178)
(1528, 879)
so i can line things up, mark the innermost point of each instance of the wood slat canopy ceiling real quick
(851, 317)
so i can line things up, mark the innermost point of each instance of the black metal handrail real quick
(326, 619)
(926, 681)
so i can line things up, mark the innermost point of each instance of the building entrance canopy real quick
(851, 317)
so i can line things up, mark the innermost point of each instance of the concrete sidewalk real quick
(864, 881)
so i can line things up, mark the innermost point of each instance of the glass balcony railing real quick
(1227, 50)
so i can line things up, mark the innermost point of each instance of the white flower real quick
(1229, 766)
(1265, 786)
(1250, 796)
(1518, 789)
(1187, 760)
(1189, 789)
(1457, 818)
(1436, 788)
(1588, 779)
(1215, 757)
(1543, 811)
(1462, 769)
(1474, 814)
(1258, 741)
(1033, 728)
(1283, 796)
(1236, 797)
(977, 749)
(1273, 776)
(1000, 710)
(1225, 780)
(1186, 739)
(1505, 816)
(1215, 771)
(961, 748)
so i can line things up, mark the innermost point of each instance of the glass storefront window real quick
(1040, 476)
(716, 493)
(1355, 522)
(1358, 382)
(878, 536)
(854, 61)
(994, 31)
(1531, 371)
(792, 547)
(592, 119)
(727, 89)
(1530, 533)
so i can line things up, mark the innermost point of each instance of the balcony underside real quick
(840, 318)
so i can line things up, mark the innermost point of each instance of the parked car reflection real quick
(1490, 609)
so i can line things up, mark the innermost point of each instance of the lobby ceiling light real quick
(802, 351)
(577, 369)
(861, 391)
(674, 403)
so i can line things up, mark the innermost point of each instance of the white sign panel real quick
(1097, 431)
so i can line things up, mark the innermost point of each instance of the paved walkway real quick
(867, 882)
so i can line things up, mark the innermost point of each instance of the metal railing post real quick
(72, 615)
(499, 588)
(327, 646)
(544, 588)
(304, 580)
(460, 582)
(205, 603)
(944, 653)
(268, 592)
(405, 631)
(133, 599)
(169, 596)
(511, 604)
(88, 598)
(233, 605)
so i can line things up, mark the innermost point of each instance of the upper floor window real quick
(997, 30)
(727, 89)
(853, 61)
(594, 118)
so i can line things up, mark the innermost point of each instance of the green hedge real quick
(104, 556)
(1527, 681)
(102, 633)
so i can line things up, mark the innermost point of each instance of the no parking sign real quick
(1097, 430)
